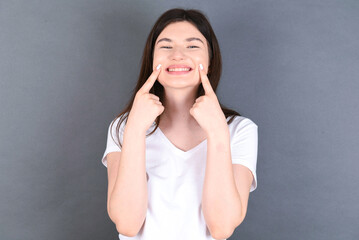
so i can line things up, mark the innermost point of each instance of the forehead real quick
(181, 31)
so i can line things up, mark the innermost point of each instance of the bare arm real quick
(221, 202)
(127, 193)
(226, 187)
(127, 183)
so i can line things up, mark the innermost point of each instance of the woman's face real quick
(180, 48)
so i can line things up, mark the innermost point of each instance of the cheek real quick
(160, 78)
(157, 59)
(202, 58)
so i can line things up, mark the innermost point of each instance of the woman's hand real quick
(146, 106)
(207, 110)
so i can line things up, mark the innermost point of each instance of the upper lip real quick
(178, 66)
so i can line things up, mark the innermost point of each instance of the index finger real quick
(151, 79)
(205, 81)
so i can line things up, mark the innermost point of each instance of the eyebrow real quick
(188, 40)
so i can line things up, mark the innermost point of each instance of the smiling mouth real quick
(177, 71)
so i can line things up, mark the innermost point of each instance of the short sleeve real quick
(113, 145)
(244, 146)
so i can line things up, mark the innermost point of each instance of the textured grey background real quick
(67, 68)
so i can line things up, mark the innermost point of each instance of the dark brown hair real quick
(199, 20)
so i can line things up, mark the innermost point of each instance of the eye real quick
(193, 47)
(165, 47)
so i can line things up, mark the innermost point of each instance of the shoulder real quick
(242, 128)
(241, 122)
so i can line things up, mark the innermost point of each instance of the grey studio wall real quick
(68, 67)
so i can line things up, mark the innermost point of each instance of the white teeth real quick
(178, 69)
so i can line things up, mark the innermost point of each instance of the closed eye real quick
(168, 47)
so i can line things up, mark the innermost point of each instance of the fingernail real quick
(201, 66)
(158, 67)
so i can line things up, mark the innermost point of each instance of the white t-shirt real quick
(176, 180)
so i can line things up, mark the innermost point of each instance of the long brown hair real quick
(214, 71)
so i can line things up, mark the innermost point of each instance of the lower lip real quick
(178, 72)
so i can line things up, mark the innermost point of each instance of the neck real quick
(177, 104)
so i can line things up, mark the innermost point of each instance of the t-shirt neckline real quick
(176, 149)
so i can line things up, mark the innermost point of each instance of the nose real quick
(177, 54)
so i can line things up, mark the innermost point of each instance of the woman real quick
(182, 166)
